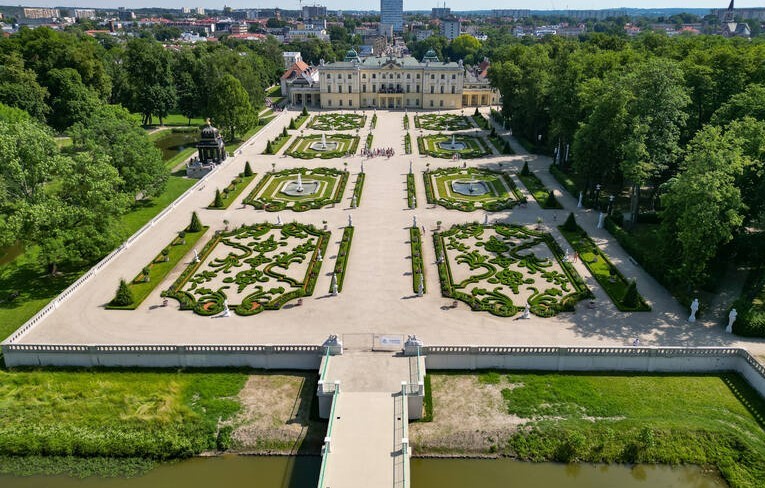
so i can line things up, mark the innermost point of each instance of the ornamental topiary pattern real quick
(442, 122)
(476, 147)
(501, 268)
(257, 267)
(503, 192)
(267, 195)
(327, 122)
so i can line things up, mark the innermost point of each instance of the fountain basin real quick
(452, 146)
(290, 188)
(470, 188)
(323, 146)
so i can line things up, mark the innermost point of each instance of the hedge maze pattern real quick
(255, 268)
(501, 268)
(267, 194)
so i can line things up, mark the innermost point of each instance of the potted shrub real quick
(145, 273)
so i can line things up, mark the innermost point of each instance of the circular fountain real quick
(470, 188)
(454, 145)
(300, 188)
(323, 145)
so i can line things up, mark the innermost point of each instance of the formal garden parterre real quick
(345, 121)
(278, 191)
(502, 268)
(466, 146)
(252, 268)
(442, 122)
(323, 146)
(469, 189)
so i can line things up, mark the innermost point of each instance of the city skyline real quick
(374, 6)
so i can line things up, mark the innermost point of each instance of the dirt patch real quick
(469, 418)
(276, 416)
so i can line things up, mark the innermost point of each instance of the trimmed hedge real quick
(341, 263)
(358, 187)
(467, 206)
(292, 150)
(467, 153)
(600, 266)
(751, 306)
(407, 143)
(232, 191)
(411, 200)
(566, 305)
(406, 122)
(188, 302)
(418, 262)
(159, 268)
(544, 197)
(271, 205)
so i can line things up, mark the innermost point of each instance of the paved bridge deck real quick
(368, 423)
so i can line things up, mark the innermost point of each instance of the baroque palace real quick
(388, 82)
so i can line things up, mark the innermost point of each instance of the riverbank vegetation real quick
(693, 419)
(122, 422)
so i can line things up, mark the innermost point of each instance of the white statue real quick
(486, 219)
(278, 220)
(414, 221)
(318, 255)
(333, 285)
(226, 310)
(196, 256)
(421, 286)
(353, 202)
(601, 217)
(410, 166)
(694, 309)
(350, 221)
(579, 203)
(362, 166)
(526, 312)
(731, 318)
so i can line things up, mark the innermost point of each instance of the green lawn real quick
(539, 191)
(176, 120)
(26, 274)
(234, 190)
(668, 419)
(114, 414)
(613, 282)
(171, 163)
(158, 269)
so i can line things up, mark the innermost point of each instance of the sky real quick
(375, 5)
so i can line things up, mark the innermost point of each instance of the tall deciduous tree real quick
(150, 88)
(19, 88)
(71, 100)
(113, 131)
(702, 205)
(656, 118)
(230, 107)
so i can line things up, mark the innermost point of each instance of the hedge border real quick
(492, 206)
(418, 261)
(233, 190)
(270, 205)
(343, 254)
(643, 307)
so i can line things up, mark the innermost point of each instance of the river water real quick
(303, 472)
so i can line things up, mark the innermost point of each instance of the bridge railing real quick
(326, 449)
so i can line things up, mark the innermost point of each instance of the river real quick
(303, 472)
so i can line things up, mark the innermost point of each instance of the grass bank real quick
(602, 418)
(49, 417)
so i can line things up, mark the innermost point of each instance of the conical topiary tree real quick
(570, 223)
(292, 124)
(551, 201)
(305, 111)
(195, 225)
(477, 113)
(218, 202)
(123, 297)
(284, 132)
(525, 170)
(247, 169)
(269, 148)
(631, 298)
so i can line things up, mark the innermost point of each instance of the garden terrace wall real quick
(303, 357)
(605, 359)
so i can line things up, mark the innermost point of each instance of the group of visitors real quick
(382, 151)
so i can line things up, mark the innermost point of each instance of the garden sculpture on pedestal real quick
(694, 309)
(731, 319)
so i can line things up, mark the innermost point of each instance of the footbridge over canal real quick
(368, 398)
